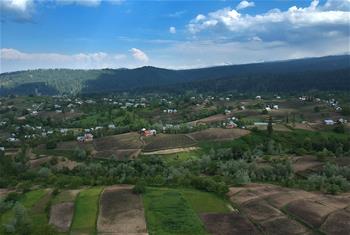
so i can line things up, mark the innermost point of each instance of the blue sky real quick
(172, 34)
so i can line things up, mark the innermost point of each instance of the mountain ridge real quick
(77, 81)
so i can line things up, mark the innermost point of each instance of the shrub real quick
(51, 144)
(139, 188)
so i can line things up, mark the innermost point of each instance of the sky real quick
(179, 34)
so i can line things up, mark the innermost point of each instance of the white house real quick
(329, 122)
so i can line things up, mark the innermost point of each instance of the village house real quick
(85, 138)
(145, 132)
(329, 122)
(231, 125)
(111, 126)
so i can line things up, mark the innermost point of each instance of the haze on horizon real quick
(89, 34)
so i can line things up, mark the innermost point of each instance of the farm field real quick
(86, 211)
(167, 141)
(218, 134)
(168, 212)
(62, 210)
(35, 202)
(290, 211)
(121, 212)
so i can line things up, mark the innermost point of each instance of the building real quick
(145, 132)
(85, 138)
(231, 125)
(329, 122)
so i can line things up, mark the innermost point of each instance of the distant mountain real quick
(324, 73)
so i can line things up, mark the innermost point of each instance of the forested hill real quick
(324, 73)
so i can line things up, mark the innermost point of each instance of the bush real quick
(51, 144)
(139, 188)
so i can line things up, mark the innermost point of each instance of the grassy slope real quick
(86, 210)
(28, 201)
(167, 212)
(173, 211)
(203, 202)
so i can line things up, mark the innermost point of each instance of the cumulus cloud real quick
(172, 30)
(275, 22)
(139, 55)
(12, 59)
(244, 4)
(19, 10)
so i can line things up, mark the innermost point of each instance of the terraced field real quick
(252, 209)
(277, 210)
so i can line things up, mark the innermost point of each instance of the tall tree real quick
(269, 126)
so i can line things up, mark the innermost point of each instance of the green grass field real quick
(168, 212)
(86, 211)
(30, 201)
(203, 202)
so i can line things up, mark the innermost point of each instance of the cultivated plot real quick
(121, 212)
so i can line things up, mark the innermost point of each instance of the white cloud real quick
(16, 5)
(274, 20)
(176, 14)
(139, 55)
(17, 9)
(12, 59)
(88, 3)
(172, 30)
(245, 4)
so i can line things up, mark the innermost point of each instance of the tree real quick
(269, 126)
(21, 223)
(241, 177)
(79, 154)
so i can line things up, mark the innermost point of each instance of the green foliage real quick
(79, 154)
(51, 144)
(139, 188)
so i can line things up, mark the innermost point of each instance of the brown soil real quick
(306, 163)
(171, 151)
(218, 134)
(337, 223)
(283, 225)
(167, 141)
(123, 141)
(120, 154)
(210, 119)
(228, 224)
(34, 163)
(260, 210)
(281, 199)
(309, 211)
(121, 212)
(61, 216)
(66, 163)
(277, 210)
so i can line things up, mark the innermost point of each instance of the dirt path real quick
(171, 151)
(121, 212)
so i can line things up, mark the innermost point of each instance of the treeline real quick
(325, 73)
